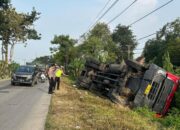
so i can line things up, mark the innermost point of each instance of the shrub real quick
(75, 67)
(7, 69)
(172, 119)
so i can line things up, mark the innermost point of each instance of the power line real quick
(112, 5)
(100, 12)
(102, 9)
(122, 12)
(146, 36)
(150, 13)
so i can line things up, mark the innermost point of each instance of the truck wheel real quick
(115, 68)
(93, 66)
(89, 61)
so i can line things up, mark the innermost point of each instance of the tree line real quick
(106, 46)
(99, 44)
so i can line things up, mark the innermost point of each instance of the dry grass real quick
(72, 108)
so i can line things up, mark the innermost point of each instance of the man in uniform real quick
(51, 77)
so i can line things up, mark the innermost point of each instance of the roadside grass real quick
(73, 108)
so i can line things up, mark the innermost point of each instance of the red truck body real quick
(175, 80)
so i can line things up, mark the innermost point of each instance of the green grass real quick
(72, 108)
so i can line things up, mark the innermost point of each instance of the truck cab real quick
(157, 89)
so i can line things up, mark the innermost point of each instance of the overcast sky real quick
(73, 17)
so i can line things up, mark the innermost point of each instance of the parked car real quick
(25, 75)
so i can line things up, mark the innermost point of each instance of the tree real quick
(99, 45)
(63, 52)
(125, 40)
(4, 4)
(153, 51)
(16, 28)
(167, 39)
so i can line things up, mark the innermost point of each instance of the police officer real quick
(51, 77)
(59, 72)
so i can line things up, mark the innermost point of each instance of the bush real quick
(172, 120)
(75, 67)
(146, 112)
(7, 69)
(177, 71)
(13, 66)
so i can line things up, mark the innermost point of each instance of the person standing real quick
(58, 74)
(51, 77)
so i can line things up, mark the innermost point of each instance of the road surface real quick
(23, 107)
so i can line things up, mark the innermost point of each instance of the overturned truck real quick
(149, 86)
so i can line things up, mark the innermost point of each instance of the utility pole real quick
(129, 51)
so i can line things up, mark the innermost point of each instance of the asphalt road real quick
(23, 107)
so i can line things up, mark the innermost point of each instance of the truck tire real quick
(92, 63)
(93, 66)
(115, 68)
(90, 60)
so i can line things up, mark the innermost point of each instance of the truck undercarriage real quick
(148, 86)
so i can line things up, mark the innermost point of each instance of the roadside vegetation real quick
(15, 28)
(73, 108)
(6, 71)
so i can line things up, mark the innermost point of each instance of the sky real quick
(73, 17)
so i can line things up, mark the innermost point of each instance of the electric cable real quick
(122, 12)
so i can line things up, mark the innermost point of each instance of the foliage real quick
(177, 99)
(125, 40)
(76, 67)
(167, 62)
(167, 39)
(64, 50)
(99, 45)
(13, 66)
(172, 120)
(146, 112)
(4, 4)
(6, 71)
(16, 28)
(177, 71)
